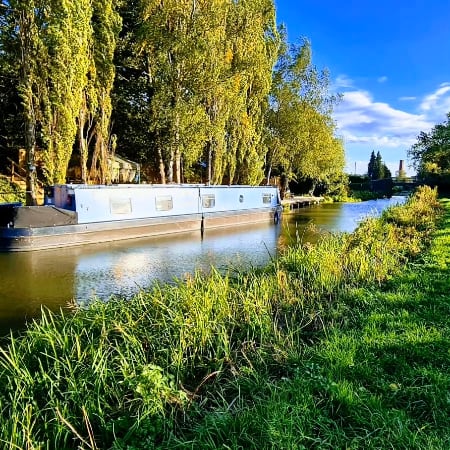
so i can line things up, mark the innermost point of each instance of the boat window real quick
(120, 205)
(70, 202)
(267, 198)
(241, 199)
(163, 202)
(208, 201)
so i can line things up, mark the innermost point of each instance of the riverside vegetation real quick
(341, 344)
(9, 192)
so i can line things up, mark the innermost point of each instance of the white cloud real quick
(343, 81)
(360, 119)
(437, 104)
(366, 124)
(382, 79)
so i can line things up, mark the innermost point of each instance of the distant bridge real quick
(407, 184)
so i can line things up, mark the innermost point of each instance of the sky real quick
(391, 62)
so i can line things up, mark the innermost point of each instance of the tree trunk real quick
(284, 182)
(210, 162)
(31, 168)
(269, 173)
(25, 25)
(94, 172)
(83, 145)
(177, 161)
(162, 168)
(170, 168)
(269, 166)
(313, 188)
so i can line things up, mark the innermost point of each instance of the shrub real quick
(10, 192)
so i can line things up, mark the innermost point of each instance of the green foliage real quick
(420, 214)
(364, 195)
(376, 169)
(193, 86)
(431, 152)
(300, 131)
(10, 192)
(63, 55)
(206, 70)
(371, 166)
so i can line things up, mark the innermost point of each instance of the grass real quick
(343, 344)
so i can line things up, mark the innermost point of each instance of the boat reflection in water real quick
(55, 278)
(29, 280)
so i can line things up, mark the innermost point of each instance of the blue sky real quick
(391, 62)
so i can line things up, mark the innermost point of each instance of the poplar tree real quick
(168, 38)
(138, 136)
(97, 104)
(215, 86)
(67, 39)
(194, 76)
(300, 132)
(378, 171)
(254, 39)
(11, 134)
(371, 166)
(25, 50)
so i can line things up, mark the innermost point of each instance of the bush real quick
(10, 192)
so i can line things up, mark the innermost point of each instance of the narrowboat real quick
(79, 214)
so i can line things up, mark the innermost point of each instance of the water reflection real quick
(56, 277)
(138, 263)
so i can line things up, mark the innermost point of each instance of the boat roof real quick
(147, 186)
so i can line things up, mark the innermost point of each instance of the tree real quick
(168, 38)
(64, 52)
(371, 166)
(20, 38)
(386, 172)
(131, 112)
(431, 152)
(376, 169)
(97, 106)
(431, 155)
(193, 78)
(50, 40)
(11, 134)
(254, 43)
(300, 133)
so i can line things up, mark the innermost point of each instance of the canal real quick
(55, 278)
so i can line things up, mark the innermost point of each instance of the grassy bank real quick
(343, 344)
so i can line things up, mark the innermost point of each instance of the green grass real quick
(344, 344)
(378, 378)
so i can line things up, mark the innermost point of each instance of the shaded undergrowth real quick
(10, 192)
(343, 344)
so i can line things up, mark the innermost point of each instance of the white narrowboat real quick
(78, 214)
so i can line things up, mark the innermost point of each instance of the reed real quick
(137, 373)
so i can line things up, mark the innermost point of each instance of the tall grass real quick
(137, 373)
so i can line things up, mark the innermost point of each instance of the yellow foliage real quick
(229, 56)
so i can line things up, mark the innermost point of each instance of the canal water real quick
(55, 278)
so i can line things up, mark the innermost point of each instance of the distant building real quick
(401, 173)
